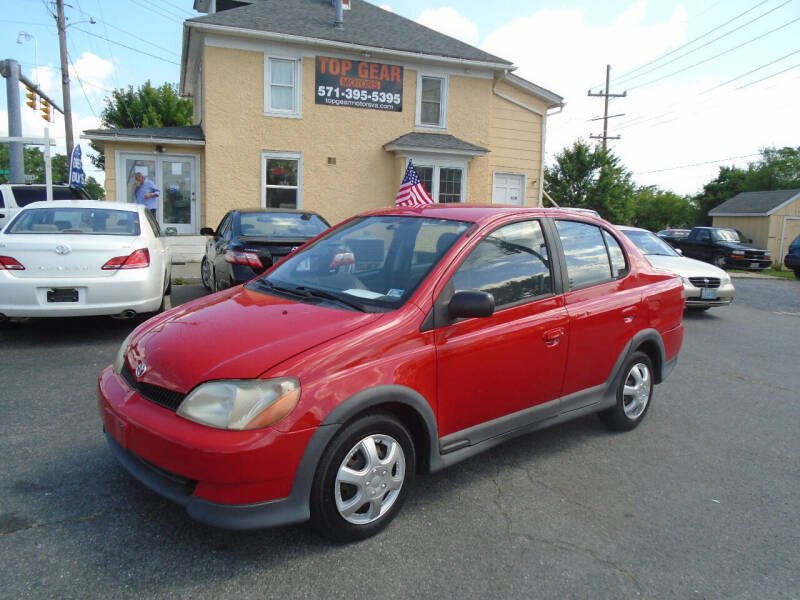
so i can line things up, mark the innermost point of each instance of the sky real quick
(707, 82)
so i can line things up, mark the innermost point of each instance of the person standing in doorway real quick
(146, 192)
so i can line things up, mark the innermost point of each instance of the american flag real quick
(412, 192)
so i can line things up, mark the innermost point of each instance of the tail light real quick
(10, 263)
(138, 259)
(249, 259)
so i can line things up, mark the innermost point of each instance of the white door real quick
(175, 176)
(508, 189)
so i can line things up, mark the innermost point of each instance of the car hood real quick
(737, 246)
(685, 267)
(235, 334)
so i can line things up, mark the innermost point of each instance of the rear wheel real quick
(362, 478)
(633, 394)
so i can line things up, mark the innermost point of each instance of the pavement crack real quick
(744, 378)
(12, 523)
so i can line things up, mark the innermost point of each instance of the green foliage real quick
(94, 189)
(777, 169)
(146, 106)
(33, 159)
(655, 209)
(594, 178)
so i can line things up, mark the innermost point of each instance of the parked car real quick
(704, 285)
(247, 242)
(14, 196)
(675, 234)
(722, 247)
(82, 257)
(792, 258)
(399, 342)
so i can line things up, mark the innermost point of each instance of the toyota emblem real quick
(62, 250)
(140, 369)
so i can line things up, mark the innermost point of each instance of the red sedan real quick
(399, 342)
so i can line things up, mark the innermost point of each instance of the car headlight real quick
(241, 404)
(119, 359)
(738, 253)
(767, 254)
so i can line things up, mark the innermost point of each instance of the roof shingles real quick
(755, 203)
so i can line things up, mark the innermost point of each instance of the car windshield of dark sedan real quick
(288, 225)
(92, 221)
(724, 235)
(650, 243)
(370, 264)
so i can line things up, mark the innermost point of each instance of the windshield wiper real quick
(315, 293)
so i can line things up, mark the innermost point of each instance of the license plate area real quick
(62, 295)
(708, 294)
(754, 265)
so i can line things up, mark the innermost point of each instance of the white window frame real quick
(524, 189)
(298, 156)
(442, 163)
(443, 112)
(295, 112)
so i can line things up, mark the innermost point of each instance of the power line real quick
(716, 39)
(127, 47)
(114, 72)
(768, 77)
(750, 41)
(751, 72)
(624, 75)
(83, 89)
(700, 164)
(160, 12)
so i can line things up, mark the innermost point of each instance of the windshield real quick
(649, 243)
(288, 225)
(25, 194)
(91, 221)
(724, 235)
(372, 263)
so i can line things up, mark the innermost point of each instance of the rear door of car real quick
(604, 305)
(493, 367)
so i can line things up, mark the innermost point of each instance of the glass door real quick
(177, 202)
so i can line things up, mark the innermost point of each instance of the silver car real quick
(704, 285)
(83, 257)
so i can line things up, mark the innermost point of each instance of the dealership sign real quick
(360, 84)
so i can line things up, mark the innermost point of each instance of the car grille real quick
(162, 396)
(705, 282)
(754, 255)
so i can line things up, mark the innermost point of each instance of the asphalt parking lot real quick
(700, 501)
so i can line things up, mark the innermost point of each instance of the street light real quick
(29, 36)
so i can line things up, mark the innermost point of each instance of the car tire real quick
(205, 273)
(718, 260)
(362, 478)
(797, 273)
(634, 394)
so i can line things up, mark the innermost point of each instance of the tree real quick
(591, 178)
(33, 159)
(657, 209)
(777, 169)
(146, 106)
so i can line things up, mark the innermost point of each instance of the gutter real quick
(143, 139)
(543, 136)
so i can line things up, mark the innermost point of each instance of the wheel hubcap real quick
(636, 393)
(369, 479)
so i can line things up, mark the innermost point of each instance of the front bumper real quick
(139, 290)
(748, 264)
(702, 297)
(231, 479)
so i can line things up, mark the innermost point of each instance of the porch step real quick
(186, 248)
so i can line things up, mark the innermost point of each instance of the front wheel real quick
(205, 274)
(633, 394)
(718, 260)
(363, 478)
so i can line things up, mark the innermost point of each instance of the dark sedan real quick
(247, 242)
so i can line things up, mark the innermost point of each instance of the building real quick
(771, 219)
(293, 110)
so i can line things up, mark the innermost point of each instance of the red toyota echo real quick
(397, 343)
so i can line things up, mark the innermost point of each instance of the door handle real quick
(628, 314)
(551, 337)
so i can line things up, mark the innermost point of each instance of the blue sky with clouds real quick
(692, 67)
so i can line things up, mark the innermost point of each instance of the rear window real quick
(92, 221)
(288, 225)
(25, 194)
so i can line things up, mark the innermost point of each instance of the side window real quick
(618, 266)
(2, 202)
(704, 236)
(224, 226)
(587, 258)
(153, 223)
(511, 263)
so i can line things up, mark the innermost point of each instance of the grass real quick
(178, 281)
(782, 273)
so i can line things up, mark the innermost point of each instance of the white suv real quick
(14, 196)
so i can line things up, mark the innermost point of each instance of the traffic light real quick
(46, 111)
(32, 98)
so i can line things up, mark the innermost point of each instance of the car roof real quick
(84, 204)
(274, 210)
(477, 213)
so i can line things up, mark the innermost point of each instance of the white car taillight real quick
(138, 259)
(10, 263)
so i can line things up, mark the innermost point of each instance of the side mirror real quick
(471, 304)
(206, 231)
(171, 231)
(679, 251)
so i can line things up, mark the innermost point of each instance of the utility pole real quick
(62, 43)
(606, 94)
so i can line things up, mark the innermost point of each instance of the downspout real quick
(543, 137)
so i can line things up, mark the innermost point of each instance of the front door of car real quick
(216, 246)
(492, 367)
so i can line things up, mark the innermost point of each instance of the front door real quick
(176, 178)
